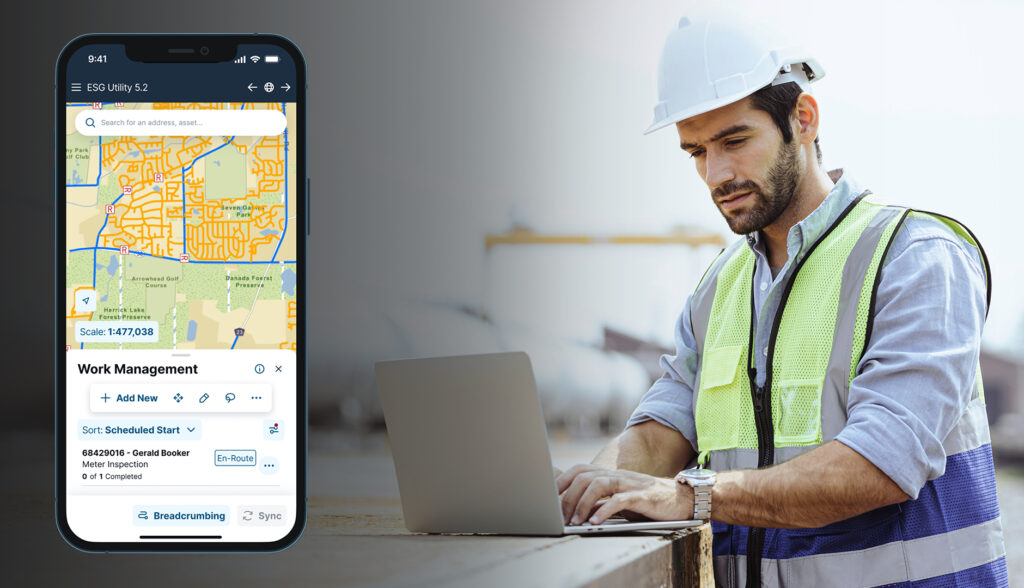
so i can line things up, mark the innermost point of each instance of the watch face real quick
(699, 474)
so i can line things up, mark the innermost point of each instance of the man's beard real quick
(772, 201)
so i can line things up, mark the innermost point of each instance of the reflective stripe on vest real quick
(819, 335)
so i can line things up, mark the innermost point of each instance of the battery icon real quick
(271, 59)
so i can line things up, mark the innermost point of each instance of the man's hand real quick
(582, 488)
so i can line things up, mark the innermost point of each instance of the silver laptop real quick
(471, 448)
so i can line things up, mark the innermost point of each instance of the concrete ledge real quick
(375, 550)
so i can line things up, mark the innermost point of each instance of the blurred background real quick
(480, 183)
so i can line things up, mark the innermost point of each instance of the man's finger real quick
(567, 477)
(572, 494)
(621, 501)
(599, 488)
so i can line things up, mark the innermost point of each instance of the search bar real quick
(181, 123)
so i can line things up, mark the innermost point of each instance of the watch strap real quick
(701, 502)
(701, 483)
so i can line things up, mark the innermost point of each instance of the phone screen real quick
(181, 232)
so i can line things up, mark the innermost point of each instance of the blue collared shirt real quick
(918, 370)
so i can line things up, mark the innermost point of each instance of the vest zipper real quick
(765, 458)
(765, 431)
(762, 397)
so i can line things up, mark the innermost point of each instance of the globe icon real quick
(269, 87)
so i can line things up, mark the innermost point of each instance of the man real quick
(826, 365)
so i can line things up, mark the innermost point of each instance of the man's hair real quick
(779, 102)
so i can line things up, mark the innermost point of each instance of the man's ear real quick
(807, 118)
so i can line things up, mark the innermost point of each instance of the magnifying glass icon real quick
(89, 122)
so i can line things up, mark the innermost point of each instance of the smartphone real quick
(181, 205)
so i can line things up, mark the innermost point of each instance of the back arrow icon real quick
(286, 86)
(250, 86)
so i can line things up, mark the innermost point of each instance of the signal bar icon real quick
(240, 59)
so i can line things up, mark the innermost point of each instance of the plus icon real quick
(105, 398)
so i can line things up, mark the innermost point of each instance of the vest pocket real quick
(718, 402)
(796, 412)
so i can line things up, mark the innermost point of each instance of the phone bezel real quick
(155, 48)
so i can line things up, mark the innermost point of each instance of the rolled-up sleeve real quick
(670, 399)
(918, 372)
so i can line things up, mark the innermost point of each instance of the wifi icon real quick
(255, 58)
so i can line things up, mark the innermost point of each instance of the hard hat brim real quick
(697, 110)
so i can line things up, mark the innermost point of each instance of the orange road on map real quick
(152, 172)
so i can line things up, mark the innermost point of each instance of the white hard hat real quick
(707, 64)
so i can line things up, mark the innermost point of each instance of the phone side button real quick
(307, 207)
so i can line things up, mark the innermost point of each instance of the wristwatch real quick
(702, 481)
